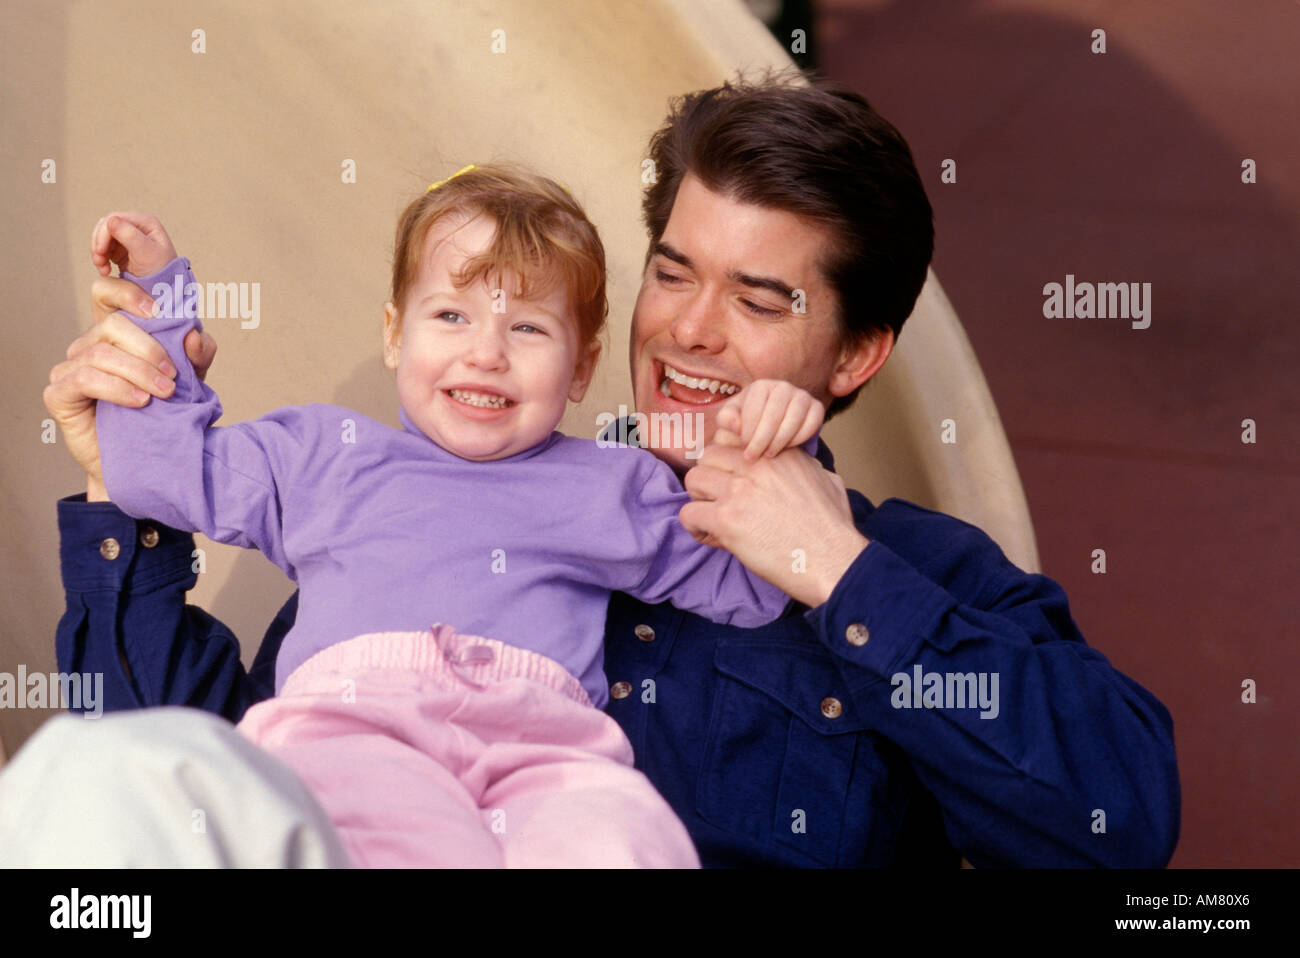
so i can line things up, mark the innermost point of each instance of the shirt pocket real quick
(788, 764)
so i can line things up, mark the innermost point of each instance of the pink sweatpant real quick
(435, 749)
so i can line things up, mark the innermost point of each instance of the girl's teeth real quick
(478, 399)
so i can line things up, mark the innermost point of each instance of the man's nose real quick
(700, 324)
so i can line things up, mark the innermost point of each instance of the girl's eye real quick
(455, 317)
(760, 310)
(527, 328)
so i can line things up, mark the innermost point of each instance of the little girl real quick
(428, 744)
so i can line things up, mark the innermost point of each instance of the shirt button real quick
(857, 634)
(644, 633)
(148, 537)
(110, 549)
(620, 690)
(831, 707)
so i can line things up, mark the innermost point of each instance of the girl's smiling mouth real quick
(480, 399)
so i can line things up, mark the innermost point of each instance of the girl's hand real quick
(135, 242)
(770, 511)
(769, 415)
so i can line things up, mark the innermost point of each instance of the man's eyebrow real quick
(735, 276)
(674, 254)
(762, 282)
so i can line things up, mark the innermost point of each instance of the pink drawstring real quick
(461, 655)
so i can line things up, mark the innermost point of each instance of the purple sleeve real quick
(696, 578)
(168, 462)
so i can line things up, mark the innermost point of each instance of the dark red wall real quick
(1126, 167)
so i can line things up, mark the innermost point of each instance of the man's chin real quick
(674, 440)
(676, 458)
(676, 431)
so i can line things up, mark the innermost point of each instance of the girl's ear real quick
(392, 335)
(583, 371)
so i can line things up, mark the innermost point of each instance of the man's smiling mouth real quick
(693, 389)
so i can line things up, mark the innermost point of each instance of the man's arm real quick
(1054, 758)
(1077, 767)
(126, 618)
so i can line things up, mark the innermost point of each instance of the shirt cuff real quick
(101, 548)
(879, 613)
(177, 277)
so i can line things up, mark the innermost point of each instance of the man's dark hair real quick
(820, 151)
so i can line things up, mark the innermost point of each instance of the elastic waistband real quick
(441, 653)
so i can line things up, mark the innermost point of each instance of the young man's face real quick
(718, 302)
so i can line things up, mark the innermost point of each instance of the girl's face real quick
(484, 376)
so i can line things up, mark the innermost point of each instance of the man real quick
(923, 700)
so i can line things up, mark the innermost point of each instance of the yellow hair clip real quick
(434, 186)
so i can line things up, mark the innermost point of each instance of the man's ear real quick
(859, 361)
(392, 335)
(583, 371)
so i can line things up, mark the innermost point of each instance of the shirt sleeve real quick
(126, 619)
(1060, 760)
(697, 578)
(168, 461)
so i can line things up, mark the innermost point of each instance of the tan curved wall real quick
(239, 152)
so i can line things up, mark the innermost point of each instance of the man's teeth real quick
(712, 385)
(487, 400)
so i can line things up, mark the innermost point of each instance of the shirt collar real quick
(528, 453)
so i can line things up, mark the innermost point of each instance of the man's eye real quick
(760, 310)
(667, 277)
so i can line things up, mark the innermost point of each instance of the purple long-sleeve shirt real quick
(384, 530)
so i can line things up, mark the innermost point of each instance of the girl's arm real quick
(765, 417)
(697, 578)
(167, 461)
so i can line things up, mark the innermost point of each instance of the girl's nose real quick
(488, 349)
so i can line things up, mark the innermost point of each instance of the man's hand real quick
(786, 518)
(116, 361)
(135, 242)
(770, 415)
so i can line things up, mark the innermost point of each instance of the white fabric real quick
(157, 788)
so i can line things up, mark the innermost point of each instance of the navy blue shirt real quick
(797, 744)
